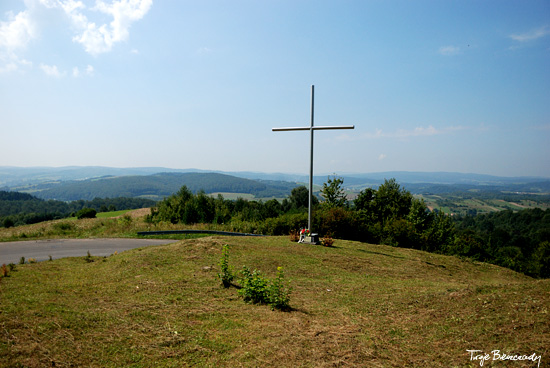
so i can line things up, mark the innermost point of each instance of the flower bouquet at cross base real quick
(303, 234)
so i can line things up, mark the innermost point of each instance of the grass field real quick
(354, 304)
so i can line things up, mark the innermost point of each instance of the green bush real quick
(254, 287)
(279, 291)
(64, 227)
(8, 222)
(86, 213)
(259, 290)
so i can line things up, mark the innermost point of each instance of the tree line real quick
(23, 209)
(388, 215)
(517, 240)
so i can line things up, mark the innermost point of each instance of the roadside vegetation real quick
(353, 304)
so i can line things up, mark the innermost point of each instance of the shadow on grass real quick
(382, 254)
(287, 309)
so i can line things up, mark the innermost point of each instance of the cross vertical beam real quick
(310, 198)
(311, 129)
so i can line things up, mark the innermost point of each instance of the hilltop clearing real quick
(353, 304)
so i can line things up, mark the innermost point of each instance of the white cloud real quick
(52, 70)
(99, 39)
(449, 50)
(89, 71)
(416, 132)
(382, 156)
(18, 30)
(15, 34)
(531, 35)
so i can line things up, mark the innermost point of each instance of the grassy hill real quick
(354, 304)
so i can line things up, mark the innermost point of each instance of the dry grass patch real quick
(353, 305)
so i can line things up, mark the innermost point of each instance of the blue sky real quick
(429, 85)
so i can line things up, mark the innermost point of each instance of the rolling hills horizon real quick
(88, 182)
(17, 175)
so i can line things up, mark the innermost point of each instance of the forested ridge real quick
(158, 186)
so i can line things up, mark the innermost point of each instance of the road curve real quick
(41, 250)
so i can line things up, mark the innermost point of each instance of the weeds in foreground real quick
(88, 257)
(226, 274)
(279, 291)
(256, 288)
(260, 290)
(4, 270)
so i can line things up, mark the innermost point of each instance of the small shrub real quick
(32, 260)
(4, 270)
(86, 213)
(8, 222)
(294, 235)
(254, 287)
(22, 260)
(279, 291)
(12, 266)
(64, 227)
(327, 241)
(260, 290)
(226, 274)
(125, 220)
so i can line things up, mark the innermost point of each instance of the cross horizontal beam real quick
(330, 127)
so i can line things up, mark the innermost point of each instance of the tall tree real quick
(299, 197)
(333, 193)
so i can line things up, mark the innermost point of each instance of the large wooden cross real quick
(311, 129)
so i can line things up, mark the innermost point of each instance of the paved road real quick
(11, 252)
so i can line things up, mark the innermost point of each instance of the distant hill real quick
(157, 186)
(85, 182)
(11, 176)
